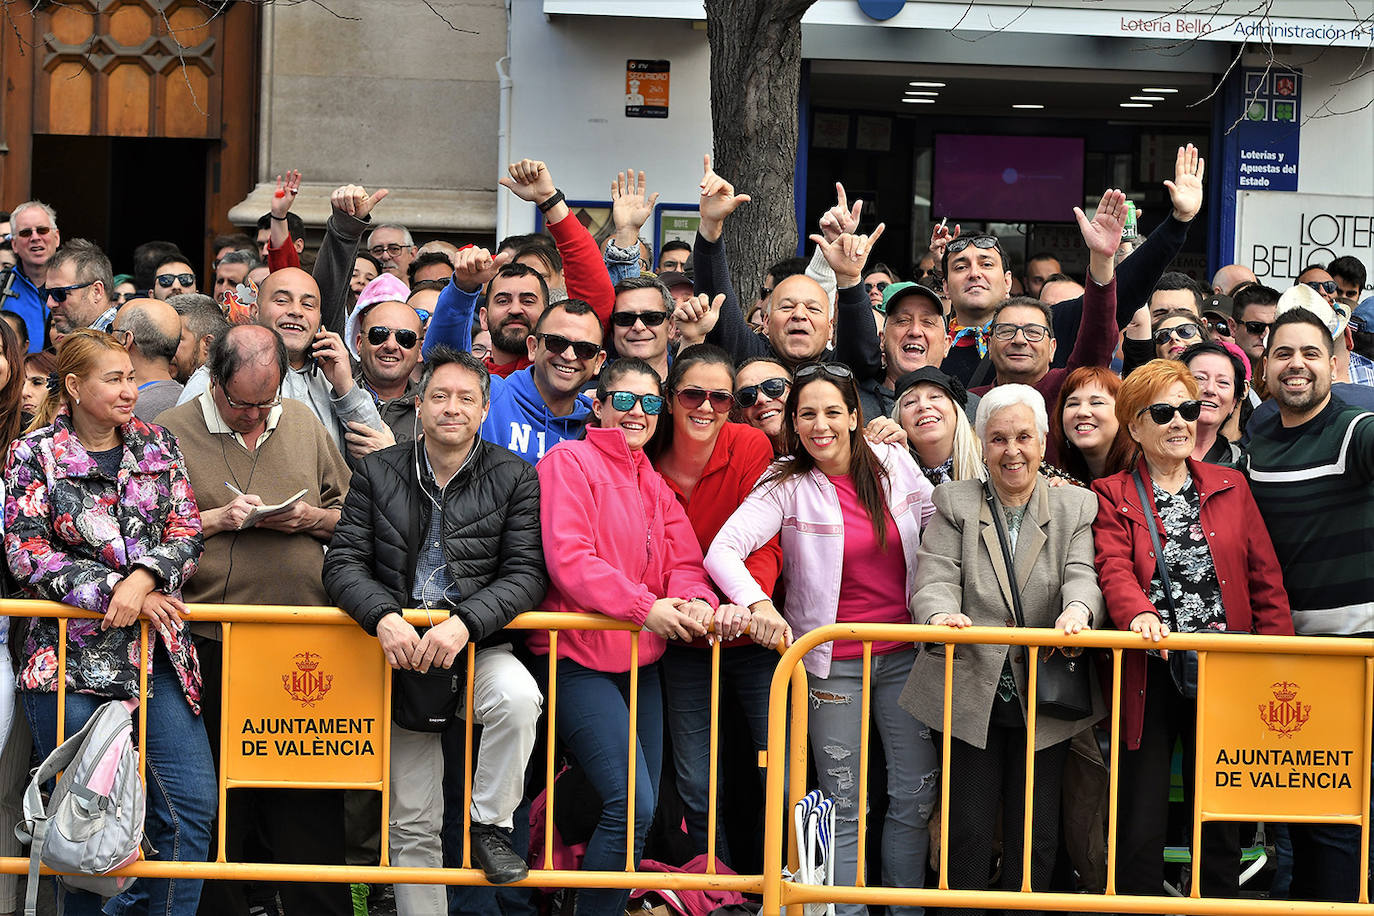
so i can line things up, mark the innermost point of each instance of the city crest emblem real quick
(1284, 714)
(307, 684)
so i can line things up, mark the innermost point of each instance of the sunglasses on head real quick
(977, 241)
(166, 280)
(582, 349)
(628, 319)
(625, 401)
(879, 286)
(1182, 332)
(1322, 286)
(1162, 413)
(28, 233)
(838, 370)
(692, 398)
(772, 388)
(406, 339)
(59, 294)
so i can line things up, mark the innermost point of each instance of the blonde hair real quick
(967, 450)
(76, 355)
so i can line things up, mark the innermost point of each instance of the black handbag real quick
(1182, 664)
(1063, 687)
(427, 702)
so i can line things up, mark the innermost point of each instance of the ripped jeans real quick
(913, 769)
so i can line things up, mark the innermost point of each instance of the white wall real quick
(1336, 155)
(568, 105)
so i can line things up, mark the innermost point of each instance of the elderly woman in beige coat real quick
(963, 580)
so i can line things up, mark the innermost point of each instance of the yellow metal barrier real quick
(788, 739)
(1355, 719)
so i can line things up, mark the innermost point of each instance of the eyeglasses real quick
(772, 388)
(423, 313)
(1257, 328)
(1220, 326)
(692, 398)
(28, 233)
(241, 405)
(625, 401)
(393, 249)
(119, 298)
(122, 336)
(582, 349)
(1182, 332)
(1162, 413)
(977, 241)
(1034, 333)
(406, 339)
(481, 351)
(628, 319)
(59, 294)
(879, 286)
(166, 280)
(765, 292)
(1322, 286)
(839, 370)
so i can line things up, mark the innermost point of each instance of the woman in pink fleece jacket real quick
(617, 542)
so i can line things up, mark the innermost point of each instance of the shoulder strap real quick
(1006, 555)
(1147, 507)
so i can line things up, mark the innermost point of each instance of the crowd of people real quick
(564, 424)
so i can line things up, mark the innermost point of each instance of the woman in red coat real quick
(1224, 577)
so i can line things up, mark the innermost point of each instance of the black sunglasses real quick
(1162, 413)
(628, 319)
(166, 280)
(772, 388)
(1257, 328)
(838, 370)
(59, 294)
(879, 286)
(625, 401)
(582, 349)
(977, 241)
(406, 339)
(1322, 286)
(692, 398)
(1182, 332)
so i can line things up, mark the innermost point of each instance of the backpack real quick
(93, 822)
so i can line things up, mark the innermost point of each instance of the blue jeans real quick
(593, 720)
(746, 672)
(1326, 862)
(181, 790)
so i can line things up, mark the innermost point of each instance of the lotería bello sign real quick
(1279, 234)
(309, 705)
(1283, 736)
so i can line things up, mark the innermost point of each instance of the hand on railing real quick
(669, 619)
(767, 626)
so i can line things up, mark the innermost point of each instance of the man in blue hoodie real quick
(537, 407)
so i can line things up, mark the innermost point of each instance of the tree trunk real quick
(755, 78)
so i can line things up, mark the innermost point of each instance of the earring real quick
(78, 402)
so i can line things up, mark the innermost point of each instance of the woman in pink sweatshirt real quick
(617, 542)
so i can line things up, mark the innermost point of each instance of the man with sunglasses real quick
(1310, 463)
(172, 277)
(1318, 279)
(383, 334)
(34, 225)
(79, 281)
(640, 321)
(535, 408)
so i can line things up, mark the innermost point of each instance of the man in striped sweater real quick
(1311, 467)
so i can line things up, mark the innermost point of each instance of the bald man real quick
(320, 374)
(1231, 276)
(156, 330)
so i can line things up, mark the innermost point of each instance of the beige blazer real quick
(961, 569)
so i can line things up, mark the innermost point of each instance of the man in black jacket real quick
(451, 524)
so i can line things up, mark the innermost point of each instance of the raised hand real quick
(718, 200)
(353, 200)
(630, 208)
(1102, 233)
(840, 218)
(474, 267)
(1185, 191)
(848, 254)
(940, 237)
(529, 180)
(286, 192)
(695, 318)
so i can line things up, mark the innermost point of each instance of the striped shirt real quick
(1314, 484)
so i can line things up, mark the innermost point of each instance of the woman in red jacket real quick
(1222, 574)
(617, 542)
(712, 465)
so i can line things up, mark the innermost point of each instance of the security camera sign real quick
(646, 88)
